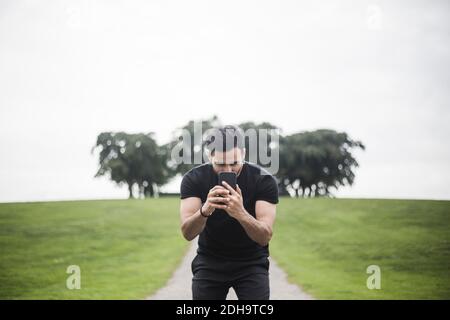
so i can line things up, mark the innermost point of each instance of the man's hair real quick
(224, 139)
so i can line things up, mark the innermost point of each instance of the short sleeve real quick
(267, 189)
(189, 188)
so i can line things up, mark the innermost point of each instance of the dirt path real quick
(179, 285)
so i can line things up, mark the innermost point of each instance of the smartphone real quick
(228, 177)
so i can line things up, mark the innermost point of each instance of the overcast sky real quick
(378, 70)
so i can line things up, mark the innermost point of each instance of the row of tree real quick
(311, 163)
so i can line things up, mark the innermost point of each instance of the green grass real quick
(125, 249)
(326, 245)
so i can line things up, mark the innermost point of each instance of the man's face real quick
(230, 161)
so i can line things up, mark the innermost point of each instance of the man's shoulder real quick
(257, 171)
(194, 181)
(199, 171)
(265, 183)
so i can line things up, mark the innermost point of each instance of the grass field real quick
(326, 245)
(127, 249)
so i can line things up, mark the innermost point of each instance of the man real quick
(235, 226)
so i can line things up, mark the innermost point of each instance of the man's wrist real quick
(205, 213)
(243, 215)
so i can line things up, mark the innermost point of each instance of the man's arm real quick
(259, 229)
(192, 221)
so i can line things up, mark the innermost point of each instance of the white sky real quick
(378, 70)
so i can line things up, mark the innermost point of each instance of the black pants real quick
(212, 278)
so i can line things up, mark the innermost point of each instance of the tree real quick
(132, 159)
(317, 161)
(311, 163)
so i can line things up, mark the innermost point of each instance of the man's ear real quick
(243, 153)
(208, 154)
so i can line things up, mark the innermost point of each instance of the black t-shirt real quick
(223, 236)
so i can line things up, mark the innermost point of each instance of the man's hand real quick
(216, 199)
(235, 205)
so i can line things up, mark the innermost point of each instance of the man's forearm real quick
(193, 225)
(258, 231)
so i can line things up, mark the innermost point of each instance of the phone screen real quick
(228, 177)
